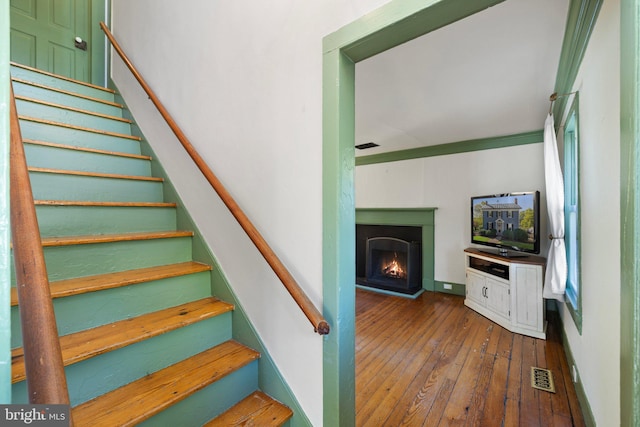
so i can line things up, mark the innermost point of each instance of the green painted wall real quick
(5, 269)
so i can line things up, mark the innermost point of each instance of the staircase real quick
(142, 338)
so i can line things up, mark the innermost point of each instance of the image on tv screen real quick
(506, 221)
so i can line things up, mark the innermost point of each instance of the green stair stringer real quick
(270, 379)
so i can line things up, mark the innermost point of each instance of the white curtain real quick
(556, 274)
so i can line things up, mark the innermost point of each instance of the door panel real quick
(23, 48)
(26, 7)
(61, 14)
(44, 32)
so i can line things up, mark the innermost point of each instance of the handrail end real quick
(323, 328)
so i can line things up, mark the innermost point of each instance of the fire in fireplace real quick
(393, 264)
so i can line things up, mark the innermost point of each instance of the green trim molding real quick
(419, 217)
(5, 232)
(587, 413)
(98, 47)
(390, 25)
(630, 213)
(456, 288)
(581, 20)
(454, 148)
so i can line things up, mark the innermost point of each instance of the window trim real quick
(571, 150)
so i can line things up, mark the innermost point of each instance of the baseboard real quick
(456, 288)
(587, 414)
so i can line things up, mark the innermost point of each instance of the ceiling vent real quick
(367, 145)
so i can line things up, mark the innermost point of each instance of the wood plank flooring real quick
(434, 362)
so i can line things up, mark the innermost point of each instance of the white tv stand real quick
(507, 290)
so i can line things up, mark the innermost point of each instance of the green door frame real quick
(388, 26)
(630, 212)
(99, 59)
(5, 268)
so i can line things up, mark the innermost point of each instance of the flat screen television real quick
(509, 222)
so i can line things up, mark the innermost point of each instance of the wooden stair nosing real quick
(104, 204)
(65, 92)
(95, 174)
(58, 76)
(79, 128)
(257, 409)
(99, 282)
(143, 398)
(74, 109)
(86, 149)
(108, 238)
(89, 343)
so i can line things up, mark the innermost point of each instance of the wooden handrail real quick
(320, 325)
(46, 381)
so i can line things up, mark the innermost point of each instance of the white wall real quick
(244, 81)
(597, 350)
(447, 183)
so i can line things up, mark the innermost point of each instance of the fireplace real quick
(389, 257)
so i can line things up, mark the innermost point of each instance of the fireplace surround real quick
(412, 231)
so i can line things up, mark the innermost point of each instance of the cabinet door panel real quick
(528, 297)
(498, 298)
(475, 287)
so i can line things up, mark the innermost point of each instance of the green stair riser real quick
(85, 311)
(70, 86)
(69, 100)
(79, 220)
(51, 186)
(103, 373)
(43, 156)
(62, 115)
(210, 401)
(66, 262)
(81, 138)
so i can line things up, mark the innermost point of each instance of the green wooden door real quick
(43, 36)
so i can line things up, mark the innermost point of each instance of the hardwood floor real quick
(434, 362)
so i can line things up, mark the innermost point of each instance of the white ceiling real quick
(490, 74)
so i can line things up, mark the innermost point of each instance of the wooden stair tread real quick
(107, 204)
(107, 238)
(58, 76)
(257, 409)
(89, 150)
(66, 92)
(80, 128)
(143, 398)
(95, 174)
(69, 108)
(93, 342)
(82, 285)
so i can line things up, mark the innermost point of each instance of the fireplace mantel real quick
(419, 217)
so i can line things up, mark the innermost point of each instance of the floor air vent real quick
(542, 379)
